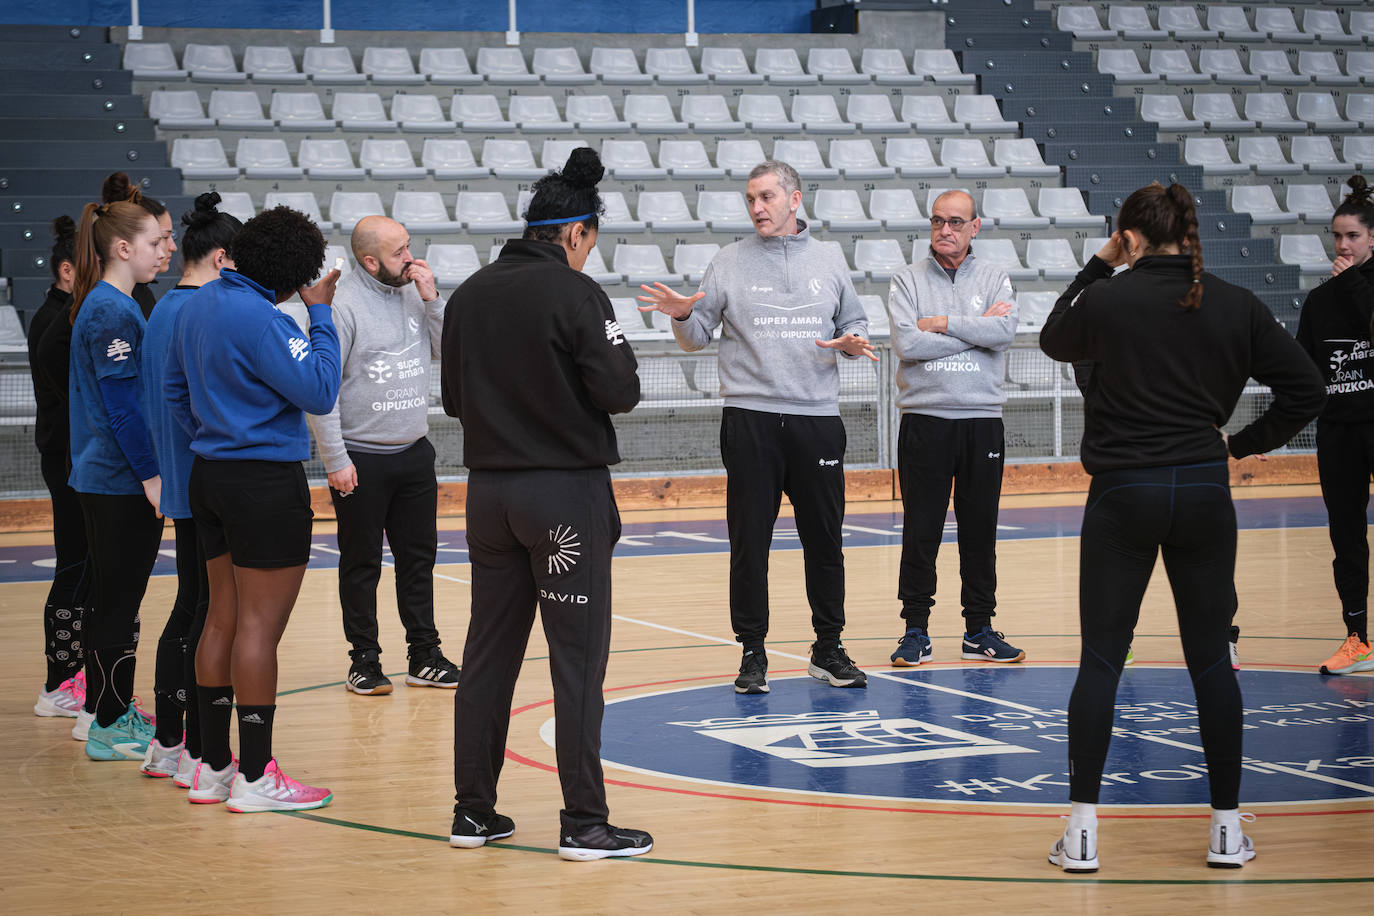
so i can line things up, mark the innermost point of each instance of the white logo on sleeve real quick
(565, 558)
(613, 333)
(299, 347)
(118, 350)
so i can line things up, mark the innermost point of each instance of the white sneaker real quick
(275, 791)
(81, 731)
(186, 769)
(1228, 846)
(1076, 850)
(210, 787)
(62, 701)
(161, 762)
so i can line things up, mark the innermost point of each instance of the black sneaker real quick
(753, 673)
(602, 841)
(471, 829)
(429, 668)
(832, 665)
(365, 676)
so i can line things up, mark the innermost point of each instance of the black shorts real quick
(256, 511)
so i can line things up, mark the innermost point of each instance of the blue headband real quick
(555, 222)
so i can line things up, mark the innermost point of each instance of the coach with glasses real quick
(952, 319)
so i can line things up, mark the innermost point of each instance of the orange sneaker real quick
(1352, 656)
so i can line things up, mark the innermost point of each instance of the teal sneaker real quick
(126, 739)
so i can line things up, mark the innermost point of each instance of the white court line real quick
(1319, 777)
(385, 562)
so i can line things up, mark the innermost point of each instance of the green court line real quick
(840, 873)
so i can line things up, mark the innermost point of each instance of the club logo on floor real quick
(998, 735)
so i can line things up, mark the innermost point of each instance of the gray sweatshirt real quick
(387, 337)
(773, 298)
(959, 373)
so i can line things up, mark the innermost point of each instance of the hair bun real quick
(584, 168)
(117, 187)
(1360, 192)
(64, 229)
(205, 210)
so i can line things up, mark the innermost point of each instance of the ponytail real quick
(1182, 200)
(1358, 203)
(102, 225)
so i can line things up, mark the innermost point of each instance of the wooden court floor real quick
(84, 835)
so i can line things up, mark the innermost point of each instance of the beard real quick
(390, 279)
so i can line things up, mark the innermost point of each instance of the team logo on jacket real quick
(299, 347)
(613, 333)
(118, 350)
(413, 323)
(379, 370)
(565, 541)
(814, 285)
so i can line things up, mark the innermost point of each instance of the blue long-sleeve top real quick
(111, 453)
(240, 376)
(171, 443)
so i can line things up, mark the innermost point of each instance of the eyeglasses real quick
(937, 223)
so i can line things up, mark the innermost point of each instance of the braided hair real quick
(207, 229)
(560, 196)
(1167, 217)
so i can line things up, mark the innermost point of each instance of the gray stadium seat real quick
(150, 60)
(595, 267)
(1067, 208)
(1272, 66)
(452, 264)
(421, 211)
(1167, 111)
(1360, 64)
(450, 160)
(1316, 155)
(896, 207)
(781, 67)
(265, 158)
(1175, 66)
(1002, 252)
(1133, 23)
(876, 313)
(202, 159)
(237, 109)
(728, 67)
(1083, 22)
(360, 111)
(1211, 154)
(764, 114)
(1182, 24)
(1310, 201)
(419, 112)
(1265, 156)
(554, 153)
(390, 160)
(737, 157)
(1278, 23)
(843, 211)
(1053, 258)
(1260, 203)
(805, 157)
(1123, 65)
(873, 114)
(912, 158)
(724, 211)
(1359, 151)
(330, 159)
(1270, 111)
(447, 67)
(211, 63)
(299, 111)
(618, 67)
(857, 160)
(667, 211)
(929, 114)
(629, 160)
(1323, 68)
(652, 113)
(300, 201)
(1232, 22)
(687, 159)
(347, 207)
(834, 65)
(969, 159)
(818, 114)
(390, 67)
(879, 259)
(617, 217)
(330, 65)
(887, 67)
(561, 67)
(941, 67)
(537, 114)
(1319, 110)
(672, 67)
(238, 204)
(1224, 64)
(1306, 251)
(486, 212)
(504, 67)
(642, 264)
(980, 113)
(271, 64)
(691, 260)
(1021, 157)
(1011, 209)
(1325, 26)
(1362, 25)
(707, 112)
(480, 113)
(1032, 308)
(1218, 111)
(178, 109)
(595, 114)
(511, 160)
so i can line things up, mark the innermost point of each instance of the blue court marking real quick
(657, 539)
(996, 735)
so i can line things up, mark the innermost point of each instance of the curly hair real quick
(569, 192)
(280, 249)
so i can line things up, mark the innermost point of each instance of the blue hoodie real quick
(240, 377)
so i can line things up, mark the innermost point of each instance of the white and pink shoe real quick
(211, 786)
(186, 769)
(274, 791)
(64, 701)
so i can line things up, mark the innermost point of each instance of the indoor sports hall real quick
(944, 783)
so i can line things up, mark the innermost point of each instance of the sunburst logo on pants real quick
(565, 557)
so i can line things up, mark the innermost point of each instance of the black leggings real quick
(1345, 460)
(124, 534)
(174, 678)
(1131, 515)
(70, 581)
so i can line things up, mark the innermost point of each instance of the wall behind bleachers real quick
(638, 16)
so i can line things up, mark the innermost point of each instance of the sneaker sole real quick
(413, 681)
(821, 674)
(156, 774)
(578, 854)
(195, 799)
(1074, 866)
(239, 807)
(1220, 860)
(976, 657)
(1351, 668)
(103, 752)
(475, 842)
(48, 711)
(909, 663)
(372, 692)
(752, 688)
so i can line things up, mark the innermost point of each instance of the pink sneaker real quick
(209, 786)
(274, 791)
(65, 701)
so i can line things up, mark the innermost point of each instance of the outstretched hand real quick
(852, 344)
(671, 303)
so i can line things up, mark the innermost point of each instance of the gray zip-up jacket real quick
(387, 337)
(773, 298)
(959, 373)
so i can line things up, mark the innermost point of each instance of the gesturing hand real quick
(852, 344)
(322, 293)
(669, 302)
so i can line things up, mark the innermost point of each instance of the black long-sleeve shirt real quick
(48, 367)
(1166, 378)
(534, 364)
(1335, 331)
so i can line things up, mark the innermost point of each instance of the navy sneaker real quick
(602, 841)
(988, 645)
(912, 650)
